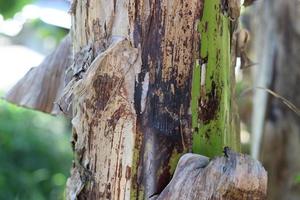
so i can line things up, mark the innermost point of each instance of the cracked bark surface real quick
(234, 177)
(130, 94)
(131, 104)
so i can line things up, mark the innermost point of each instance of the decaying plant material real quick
(230, 177)
(41, 87)
(136, 107)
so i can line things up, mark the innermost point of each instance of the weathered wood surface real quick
(41, 87)
(131, 92)
(104, 125)
(130, 127)
(236, 177)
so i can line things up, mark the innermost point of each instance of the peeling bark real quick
(41, 87)
(236, 176)
(134, 69)
(104, 125)
(155, 120)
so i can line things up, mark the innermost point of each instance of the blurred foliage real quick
(44, 30)
(8, 8)
(35, 154)
(40, 36)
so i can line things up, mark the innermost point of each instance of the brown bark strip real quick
(167, 33)
(104, 125)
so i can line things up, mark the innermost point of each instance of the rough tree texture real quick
(223, 178)
(131, 106)
(108, 119)
(137, 140)
(131, 93)
(280, 34)
(41, 87)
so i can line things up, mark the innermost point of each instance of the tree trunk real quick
(150, 81)
(131, 90)
(280, 36)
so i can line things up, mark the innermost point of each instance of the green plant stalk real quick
(213, 126)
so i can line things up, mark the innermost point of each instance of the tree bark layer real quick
(136, 96)
(234, 176)
(131, 113)
(42, 86)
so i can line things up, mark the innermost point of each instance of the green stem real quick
(212, 112)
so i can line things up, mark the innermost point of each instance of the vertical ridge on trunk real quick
(166, 32)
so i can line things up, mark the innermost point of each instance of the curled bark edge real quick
(235, 176)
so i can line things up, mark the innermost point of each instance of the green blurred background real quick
(35, 152)
(35, 155)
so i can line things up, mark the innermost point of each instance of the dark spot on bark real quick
(206, 136)
(226, 151)
(73, 145)
(209, 105)
(108, 172)
(219, 20)
(120, 170)
(164, 178)
(112, 122)
(203, 60)
(90, 138)
(206, 26)
(128, 173)
(95, 163)
(224, 169)
(180, 14)
(218, 57)
(75, 136)
(196, 129)
(107, 191)
(104, 85)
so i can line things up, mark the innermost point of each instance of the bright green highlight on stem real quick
(213, 132)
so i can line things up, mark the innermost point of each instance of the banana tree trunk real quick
(150, 81)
